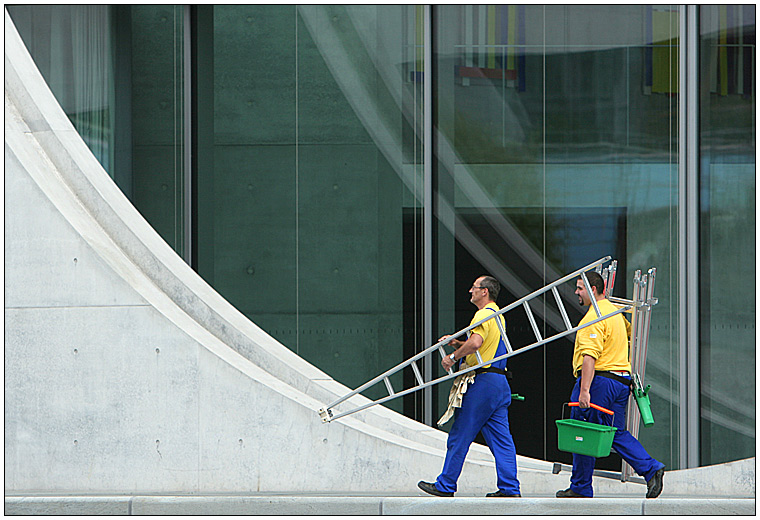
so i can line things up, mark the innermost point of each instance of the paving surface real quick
(282, 504)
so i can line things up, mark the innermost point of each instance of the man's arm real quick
(470, 346)
(587, 375)
(456, 343)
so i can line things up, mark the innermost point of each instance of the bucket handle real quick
(595, 407)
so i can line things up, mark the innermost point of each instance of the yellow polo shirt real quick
(606, 341)
(487, 330)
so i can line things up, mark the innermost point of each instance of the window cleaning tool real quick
(642, 401)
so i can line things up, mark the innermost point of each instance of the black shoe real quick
(654, 484)
(502, 495)
(429, 487)
(569, 493)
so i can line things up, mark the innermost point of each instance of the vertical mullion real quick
(427, 100)
(187, 141)
(688, 213)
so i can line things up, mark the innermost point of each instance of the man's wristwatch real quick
(451, 357)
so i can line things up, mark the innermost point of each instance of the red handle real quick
(596, 407)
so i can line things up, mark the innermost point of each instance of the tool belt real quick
(610, 375)
(505, 373)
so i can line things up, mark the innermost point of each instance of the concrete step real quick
(276, 504)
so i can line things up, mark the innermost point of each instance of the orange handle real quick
(596, 407)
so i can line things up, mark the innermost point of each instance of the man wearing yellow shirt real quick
(485, 403)
(603, 372)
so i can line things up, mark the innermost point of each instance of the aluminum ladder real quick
(329, 413)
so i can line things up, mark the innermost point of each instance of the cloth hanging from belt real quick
(456, 394)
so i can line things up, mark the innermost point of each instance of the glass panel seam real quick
(427, 203)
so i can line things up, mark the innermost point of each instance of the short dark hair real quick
(493, 286)
(595, 280)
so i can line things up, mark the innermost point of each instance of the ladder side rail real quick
(650, 300)
(605, 274)
(612, 270)
(470, 369)
(590, 294)
(640, 321)
(632, 418)
(634, 316)
(638, 366)
(425, 352)
(625, 468)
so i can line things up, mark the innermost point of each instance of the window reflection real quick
(557, 145)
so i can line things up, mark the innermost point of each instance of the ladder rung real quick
(591, 295)
(562, 310)
(417, 374)
(388, 386)
(443, 355)
(477, 354)
(532, 321)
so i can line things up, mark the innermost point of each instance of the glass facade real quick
(313, 176)
(727, 231)
(279, 149)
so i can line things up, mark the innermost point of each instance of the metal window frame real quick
(427, 110)
(688, 243)
(187, 138)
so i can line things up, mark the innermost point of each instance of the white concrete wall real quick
(126, 373)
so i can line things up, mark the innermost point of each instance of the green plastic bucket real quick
(585, 438)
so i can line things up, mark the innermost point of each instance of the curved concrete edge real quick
(364, 505)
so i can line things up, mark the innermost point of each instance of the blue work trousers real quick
(612, 395)
(484, 409)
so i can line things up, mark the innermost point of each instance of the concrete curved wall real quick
(126, 372)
